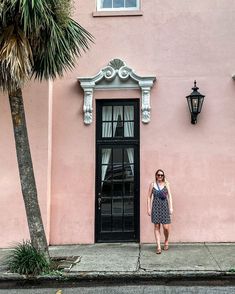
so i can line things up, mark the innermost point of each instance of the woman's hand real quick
(171, 210)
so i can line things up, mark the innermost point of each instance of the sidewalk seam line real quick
(208, 249)
(138, 261)
(140, 267)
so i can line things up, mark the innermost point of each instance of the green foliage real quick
(24, 259)
(38, 38)
(232, 270)
(63, 10)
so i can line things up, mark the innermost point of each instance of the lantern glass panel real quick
(200, 104)
(189, 104)
(195, 104)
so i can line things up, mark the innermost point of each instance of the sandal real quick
(158, 251)
(166, 247)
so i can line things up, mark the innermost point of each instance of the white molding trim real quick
(116, 76)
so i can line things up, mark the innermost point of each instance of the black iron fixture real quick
(195, 101)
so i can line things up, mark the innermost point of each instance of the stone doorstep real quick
(65, 263)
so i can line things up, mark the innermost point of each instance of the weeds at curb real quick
(24, 259)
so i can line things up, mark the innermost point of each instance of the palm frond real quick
(16, 59)
(33, 14)
(38, 37)
(6, 13)
(57, 51)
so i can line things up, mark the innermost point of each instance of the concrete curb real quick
(127, 277)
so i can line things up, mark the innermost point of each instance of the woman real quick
(160, 207)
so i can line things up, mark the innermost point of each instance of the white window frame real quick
(99, 8)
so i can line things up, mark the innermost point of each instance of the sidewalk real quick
(135, 261)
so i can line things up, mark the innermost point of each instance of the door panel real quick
(117, 194)
(117, 173)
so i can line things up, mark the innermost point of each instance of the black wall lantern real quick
(195, 101)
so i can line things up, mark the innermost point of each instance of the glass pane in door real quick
(118, 122)
(117, 189)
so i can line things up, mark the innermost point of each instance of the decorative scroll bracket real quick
(145, 107)
(87, 106)
(116, 76)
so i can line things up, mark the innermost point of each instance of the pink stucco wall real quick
(13, 218)
(176, 42)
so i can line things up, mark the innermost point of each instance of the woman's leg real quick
(166, 231)
(157, 236)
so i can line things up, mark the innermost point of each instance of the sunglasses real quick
(160, 175)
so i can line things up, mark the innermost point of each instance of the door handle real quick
(99, 202)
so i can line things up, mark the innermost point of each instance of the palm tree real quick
(38, 39)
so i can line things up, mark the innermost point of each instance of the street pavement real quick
(132, 261)
(125, 290)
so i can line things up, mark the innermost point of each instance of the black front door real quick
(117, 171)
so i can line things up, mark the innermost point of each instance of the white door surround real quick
(116, 76)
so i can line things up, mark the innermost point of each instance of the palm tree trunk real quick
(28, 185)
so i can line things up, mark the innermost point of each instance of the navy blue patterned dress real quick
(160, 207)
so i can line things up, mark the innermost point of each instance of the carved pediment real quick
(116, 75)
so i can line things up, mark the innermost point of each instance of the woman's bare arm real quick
(169, 197)
(150, 199)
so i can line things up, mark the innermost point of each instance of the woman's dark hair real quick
(160, 170)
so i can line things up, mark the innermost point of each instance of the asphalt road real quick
(142, 289)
